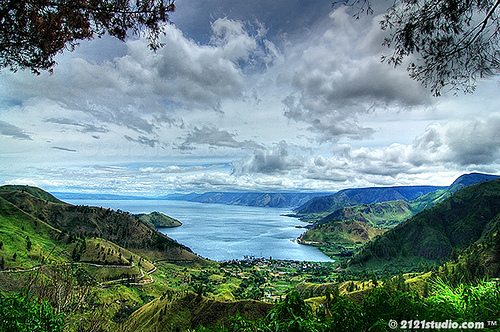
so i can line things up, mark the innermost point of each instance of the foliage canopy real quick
(33, 32)
(450, 43)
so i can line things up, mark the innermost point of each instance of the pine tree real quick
(29, 245)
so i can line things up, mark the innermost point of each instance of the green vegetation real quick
(79, 268)
(342, 232)
(321, 207)
(377, 215)
(33, 191)
(467, 303)
(470, 215)
(157, 219)
(23, 314)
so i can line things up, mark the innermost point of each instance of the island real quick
(157, 219)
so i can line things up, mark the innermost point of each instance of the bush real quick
(23, 314)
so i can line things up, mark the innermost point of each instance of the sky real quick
(244, 96)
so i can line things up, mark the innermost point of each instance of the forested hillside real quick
(77, 278)
(320, 207)
(470, 215)
(419, 197)
(118, 227)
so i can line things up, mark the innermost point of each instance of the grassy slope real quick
(17, 227)
(190, 311)
(121, 228)
(378, 215)
(30, 213)
(381, 215)
(25, 219)
(33, 191)
(332, 207)
(355, 225)
(322, 206)
(346, 232)
(464, 218)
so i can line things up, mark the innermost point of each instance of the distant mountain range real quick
(427, 228)
(422, 197)
(470, 217)
(307, 206)
(275, 200)
(320, 207)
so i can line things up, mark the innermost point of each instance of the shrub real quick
(23, 314)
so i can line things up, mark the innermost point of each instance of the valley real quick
(97, 269)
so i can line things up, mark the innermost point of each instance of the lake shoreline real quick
(226, 232)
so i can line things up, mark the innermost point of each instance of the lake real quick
(224, 232)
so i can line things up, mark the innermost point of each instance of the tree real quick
(29, 244)
(33, 32)
(452, 43)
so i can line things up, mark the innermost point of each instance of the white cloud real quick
(273, 161)
(288, 73)
(463, 142)
(339, 76)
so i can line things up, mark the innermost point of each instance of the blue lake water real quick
(224, 232)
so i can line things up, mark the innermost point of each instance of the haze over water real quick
(224, 232)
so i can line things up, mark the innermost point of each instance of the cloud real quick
(143, 140)
(8, 129)
(214, 137)
(142, 89)
(439, 154)
(85, 127)
(63, 149)
(271, 161)
(338, 76)
(330, 126)
(463, 142)
(176, 169)
(284, 19)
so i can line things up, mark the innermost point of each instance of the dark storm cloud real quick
(338, 77)
(8, 129)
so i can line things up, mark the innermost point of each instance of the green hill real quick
(378, 215)
(320, 207)
(468, 216)
(33, 191)
(190, 311)
(121, 228)
(382, 215)
(157, 219)
(25, 241)
(419, 197)
(425, 201)
(341, 232)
